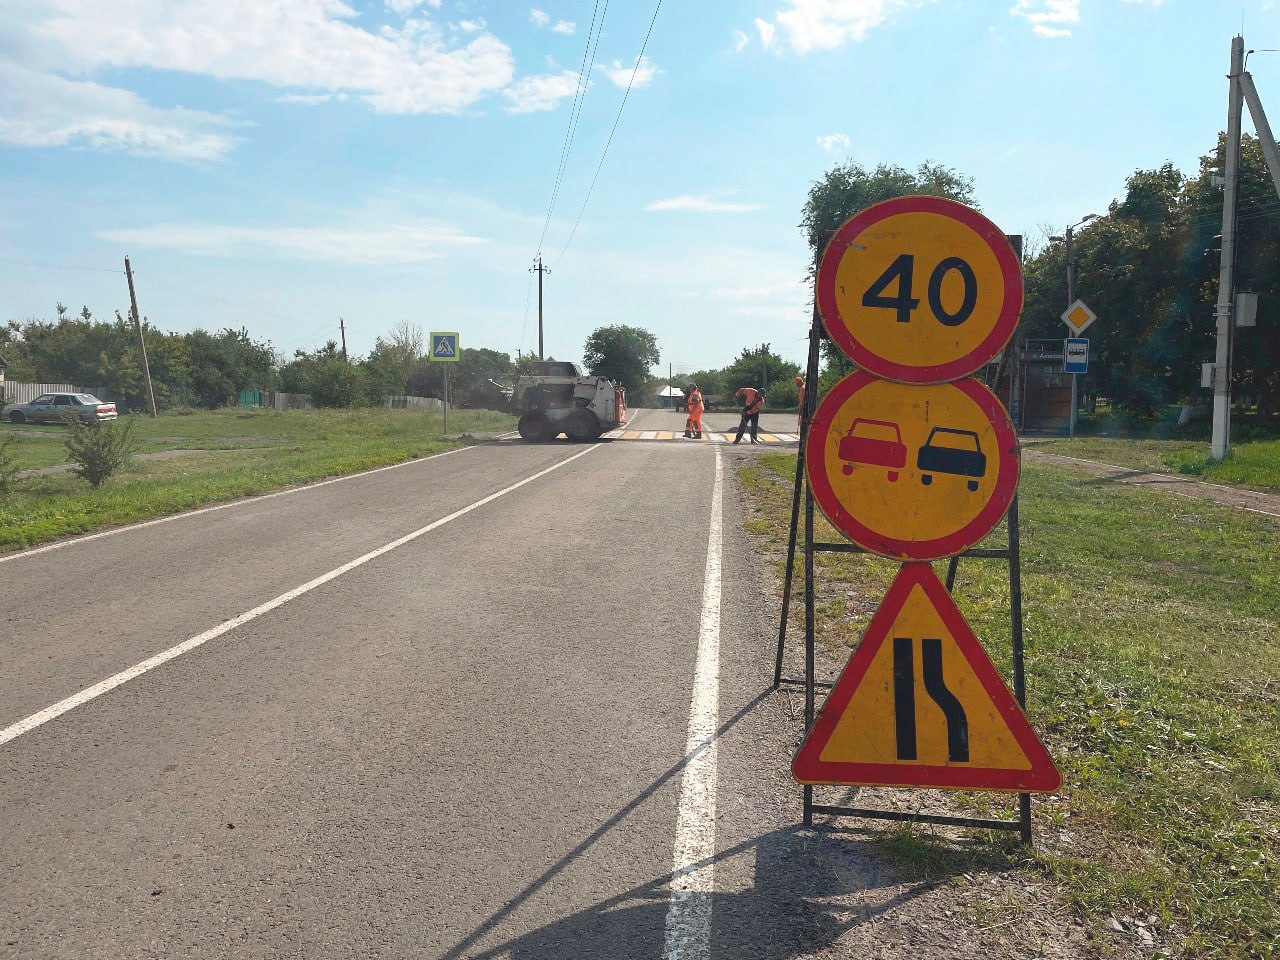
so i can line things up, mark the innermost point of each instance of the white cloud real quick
(390, 244)
(43, 110)
(310, 44)
(767, 30)
(1048, 18)
(740, 41)
(403, 7)
(565, 27)
(472, 26)
(311, 99)
(621, 74)
(701, 204)
(544, 92)
(834, 142)
(811, 25)
(539, 18)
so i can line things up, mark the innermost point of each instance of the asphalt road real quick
(438, 710)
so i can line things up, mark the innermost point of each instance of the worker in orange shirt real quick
(693, 400)
(752, 404)
(800, 416)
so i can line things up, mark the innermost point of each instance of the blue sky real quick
(279, 164)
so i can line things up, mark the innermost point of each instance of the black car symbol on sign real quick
(961, 461)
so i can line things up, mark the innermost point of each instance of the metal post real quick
(1265, 138)
(142, 343)
(1015, 622)
(806, 414)
(809, 641)
(1071, 298)
(1226, 279)
(446, 398)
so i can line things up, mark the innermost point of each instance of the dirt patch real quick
(1253, 500)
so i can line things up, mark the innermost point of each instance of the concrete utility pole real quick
(342, 327)
(539, 269)
(142, 344)
(1226, 274)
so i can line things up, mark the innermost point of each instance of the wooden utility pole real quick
(342, 326)
(142, 344)
(539, 269)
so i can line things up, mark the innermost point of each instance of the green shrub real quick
(99, 449)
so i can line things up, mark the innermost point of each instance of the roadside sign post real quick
(444, 348)
(1078, 318)
(911, 458)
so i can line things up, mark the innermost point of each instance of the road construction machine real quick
(555, 398)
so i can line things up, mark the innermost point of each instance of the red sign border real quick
(808, 766)
(939, 547)
(863, 356)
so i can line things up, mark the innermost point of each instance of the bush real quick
(99, 449)
(8, 468)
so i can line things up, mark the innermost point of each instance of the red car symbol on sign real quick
(870, 446)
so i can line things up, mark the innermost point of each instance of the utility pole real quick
(1068, 237)
(342, 326)
(764, 368)
(142, 344)
(1226, 274)
(539, 269)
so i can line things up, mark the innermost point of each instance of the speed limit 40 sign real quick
(920, 290)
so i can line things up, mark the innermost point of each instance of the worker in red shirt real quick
(752, 404)
(693, 400)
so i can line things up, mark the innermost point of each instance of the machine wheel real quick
(583, 427)
(534, 427)
(17, 417)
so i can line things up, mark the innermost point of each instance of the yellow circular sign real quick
(914, 472)
(920, 289)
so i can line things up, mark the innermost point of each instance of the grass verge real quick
(1153, 660)
(250, 452)
(1255, 465)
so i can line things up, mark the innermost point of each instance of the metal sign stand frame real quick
(1011, 553)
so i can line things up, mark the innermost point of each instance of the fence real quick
(285, 401)
(415, 403)
(16, 392)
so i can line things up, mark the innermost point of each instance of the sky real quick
(278, 164)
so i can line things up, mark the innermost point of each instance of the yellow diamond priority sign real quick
(1078, 317)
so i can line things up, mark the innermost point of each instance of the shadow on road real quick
(785, 894)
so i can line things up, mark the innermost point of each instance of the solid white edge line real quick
(688, 927)
(124, 676)
(71, 542)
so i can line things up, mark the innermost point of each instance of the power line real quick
(604, 153)
(575, 112)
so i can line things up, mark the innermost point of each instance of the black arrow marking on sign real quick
(935, 686)
(904, 699)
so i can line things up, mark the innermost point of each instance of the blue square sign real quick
(444, 346)
(1075, 355)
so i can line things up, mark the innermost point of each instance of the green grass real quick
(282, 450)
(1255, 465)
(1153, 660)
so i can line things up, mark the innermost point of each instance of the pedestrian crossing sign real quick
(444, 346)
(920, 704)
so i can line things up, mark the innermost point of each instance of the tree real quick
(762, 368)
(623, 354)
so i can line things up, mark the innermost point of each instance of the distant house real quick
(671, 397)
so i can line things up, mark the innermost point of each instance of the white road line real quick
(98, 689)
(688, 930)
(34, 551)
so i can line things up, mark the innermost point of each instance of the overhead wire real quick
(575, 111)
(605, 152)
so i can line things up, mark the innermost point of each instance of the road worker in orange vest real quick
(693, 400)
(752, 404)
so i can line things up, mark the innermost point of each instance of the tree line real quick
(1148, 267)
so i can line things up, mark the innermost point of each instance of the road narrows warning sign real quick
(921, 705)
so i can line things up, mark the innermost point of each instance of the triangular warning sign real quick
(920, 704)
